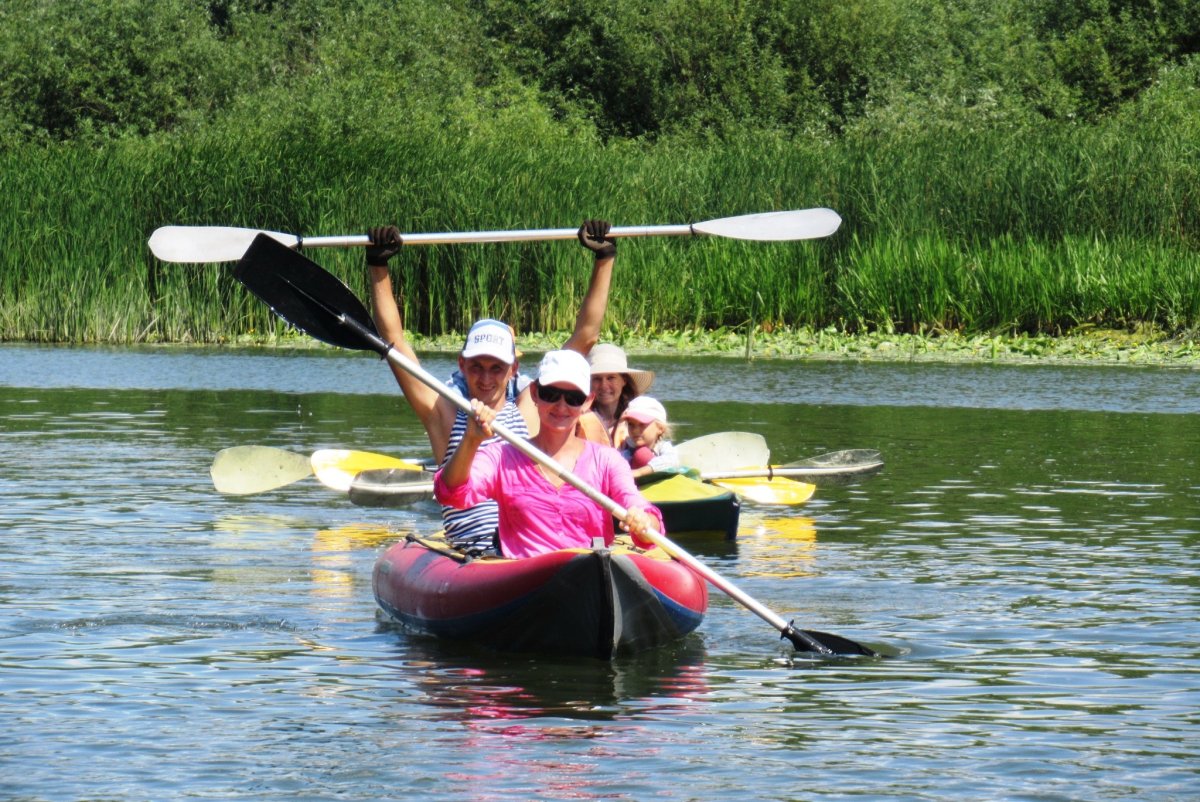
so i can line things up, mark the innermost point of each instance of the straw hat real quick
(608, 358)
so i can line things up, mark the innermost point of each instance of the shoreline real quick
(1090, 347)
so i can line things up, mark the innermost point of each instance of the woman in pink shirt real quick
(539, 512)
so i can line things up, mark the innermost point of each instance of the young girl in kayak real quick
(540, 512)
(614, 385)
(648, 447)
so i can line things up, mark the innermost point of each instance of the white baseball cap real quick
(565, 367)
(489, 337)
(645, 409)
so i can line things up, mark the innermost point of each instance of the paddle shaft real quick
(797, 637)
(790, 473)
(483, 237)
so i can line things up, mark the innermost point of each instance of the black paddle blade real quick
(808, 640)
(306, 295)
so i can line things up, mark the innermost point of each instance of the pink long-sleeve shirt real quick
(537, 517)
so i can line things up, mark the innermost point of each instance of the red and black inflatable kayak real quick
(597, 602)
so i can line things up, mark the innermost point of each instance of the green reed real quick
(1038, 229)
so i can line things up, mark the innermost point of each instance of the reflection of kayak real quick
(596, 602)
(691, 507)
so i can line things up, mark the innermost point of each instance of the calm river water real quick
(1029, 553)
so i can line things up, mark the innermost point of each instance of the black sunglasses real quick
(550, 395)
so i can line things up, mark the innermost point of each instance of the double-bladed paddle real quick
(202, 244)
(740, 461)
(242, 470)
(795, 482)
(314, 301)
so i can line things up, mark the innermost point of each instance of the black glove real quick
(385, 243)
(593, 235)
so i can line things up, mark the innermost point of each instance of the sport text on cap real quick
(492, 338)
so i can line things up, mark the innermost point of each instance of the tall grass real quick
(1035, 230)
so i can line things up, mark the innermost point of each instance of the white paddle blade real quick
(199, 244)
(243, 470)
(724, 451)
(774, 226)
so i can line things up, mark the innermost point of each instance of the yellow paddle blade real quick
(336, 467)
(778, 490)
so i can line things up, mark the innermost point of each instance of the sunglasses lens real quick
(550, 395)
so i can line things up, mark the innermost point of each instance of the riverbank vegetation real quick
(1017, 168)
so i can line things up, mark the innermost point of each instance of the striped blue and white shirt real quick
(475, 527)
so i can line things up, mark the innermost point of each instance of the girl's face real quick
(643, 434)
(607, 388)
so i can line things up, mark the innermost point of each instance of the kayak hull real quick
(582, 602)
(692, 508)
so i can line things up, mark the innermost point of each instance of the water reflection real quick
(494, 693)
(781, 546)
(334, 552)
(536, 727)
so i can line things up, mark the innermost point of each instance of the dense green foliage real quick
(1016, 165)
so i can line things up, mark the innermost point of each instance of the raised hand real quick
(385, 243)
(593, 235)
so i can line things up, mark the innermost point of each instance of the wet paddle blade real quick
(389, 488)
(724, 451)
(851, 457)
(336, 468)
(243, 470)
(838, 467)
(808, 640)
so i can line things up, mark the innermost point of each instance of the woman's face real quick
(606, 387)
(555, 406)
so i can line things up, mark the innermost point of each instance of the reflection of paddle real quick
(226, 244)
(313, 300)
(242, 470)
